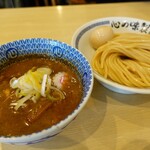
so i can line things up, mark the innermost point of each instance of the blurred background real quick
(36, 3)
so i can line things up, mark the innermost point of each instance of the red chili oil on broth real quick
(36, 116)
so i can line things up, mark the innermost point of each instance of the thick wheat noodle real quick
(125, 59)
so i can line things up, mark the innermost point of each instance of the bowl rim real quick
(77, 31)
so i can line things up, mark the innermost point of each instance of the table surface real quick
(109, 121)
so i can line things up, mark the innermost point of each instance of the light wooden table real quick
(109, 121)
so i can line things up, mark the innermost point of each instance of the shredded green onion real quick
(32, 85)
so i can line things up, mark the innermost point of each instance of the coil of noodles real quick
(125, 59)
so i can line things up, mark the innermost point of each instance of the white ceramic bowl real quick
(80, 40)
(53, 49)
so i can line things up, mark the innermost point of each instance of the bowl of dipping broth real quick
(45, 83)
(118, 49)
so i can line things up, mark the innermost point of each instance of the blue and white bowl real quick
(80, 40)
(53, 49)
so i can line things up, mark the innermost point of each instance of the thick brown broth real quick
(14, 123)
